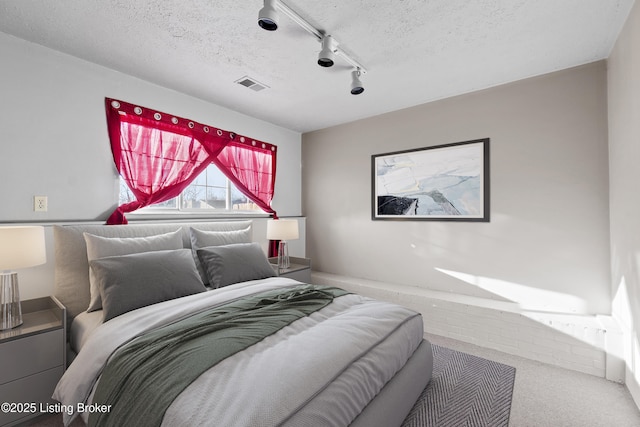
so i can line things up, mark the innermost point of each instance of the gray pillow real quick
(128, 282)
(100, 247)
(234, 263)
(203, 239)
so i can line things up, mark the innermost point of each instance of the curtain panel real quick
(158, 155)
(253, 172)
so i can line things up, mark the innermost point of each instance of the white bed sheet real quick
(82, 327)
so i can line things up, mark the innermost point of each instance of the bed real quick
(187, 324)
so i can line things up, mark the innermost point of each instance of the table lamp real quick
(282, 230)
(20, 247)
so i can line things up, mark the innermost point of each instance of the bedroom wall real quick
(53, 142)
(53, 136)
(547, 245)
(624, 152)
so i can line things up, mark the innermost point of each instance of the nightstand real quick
(32, 358)
(299, 269)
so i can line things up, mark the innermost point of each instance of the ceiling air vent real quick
(252, 84)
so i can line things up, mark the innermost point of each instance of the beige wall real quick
(624, 164)
(547, 245)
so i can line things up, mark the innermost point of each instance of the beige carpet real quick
(548, 396)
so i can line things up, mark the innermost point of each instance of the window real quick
(167, 161)
(210, 192)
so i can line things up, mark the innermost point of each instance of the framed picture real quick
(441, 183)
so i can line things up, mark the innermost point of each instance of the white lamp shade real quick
(282, 229)
(21, 247)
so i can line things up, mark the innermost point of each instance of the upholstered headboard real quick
(72, 265)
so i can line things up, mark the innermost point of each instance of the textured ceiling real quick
(415, 51)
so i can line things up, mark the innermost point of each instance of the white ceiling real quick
(415, 51)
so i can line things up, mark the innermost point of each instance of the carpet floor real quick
(464, 390)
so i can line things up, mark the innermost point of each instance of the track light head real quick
(356, 85)
(268, 16)
(327, 55)
(268, 20)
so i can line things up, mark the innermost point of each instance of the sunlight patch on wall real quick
(526, 297)
(555, 310)
(621, 308)
(621, 312)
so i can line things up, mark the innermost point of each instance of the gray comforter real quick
(322, 369)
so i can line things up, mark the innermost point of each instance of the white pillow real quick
(101, 247)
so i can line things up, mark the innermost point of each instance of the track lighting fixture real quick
(356, 85)
(327, 54)
(268, 19)
(268, 16)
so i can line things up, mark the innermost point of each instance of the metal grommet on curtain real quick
(219, 132)
(115, 104)
(232, 135)
(206, 129)
(191, 125)
(174, 120)
(137, 110)
(242, 139)
(157, 116)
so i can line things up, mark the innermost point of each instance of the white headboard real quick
(71, 279)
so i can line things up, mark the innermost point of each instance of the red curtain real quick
(159, 155)
(253, 170)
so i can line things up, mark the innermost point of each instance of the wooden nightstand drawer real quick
(303, 275)
(30, 355)
(299, 269)
(33, 358)
(36, 389)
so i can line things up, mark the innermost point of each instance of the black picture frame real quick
(448, 182)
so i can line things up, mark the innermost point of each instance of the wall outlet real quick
(40, 203)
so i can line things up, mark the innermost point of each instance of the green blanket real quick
(143, 377)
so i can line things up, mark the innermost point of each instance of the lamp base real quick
(10, 308)
(283, 255)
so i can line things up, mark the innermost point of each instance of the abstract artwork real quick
(440, 183)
